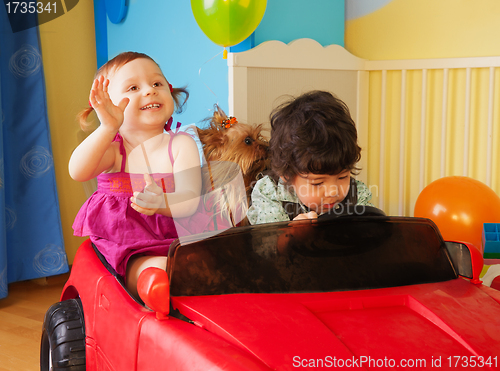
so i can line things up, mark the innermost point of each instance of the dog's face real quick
(236, 142)
(245, 145)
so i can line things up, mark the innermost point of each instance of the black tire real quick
(63, 337)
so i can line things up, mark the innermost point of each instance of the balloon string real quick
(199, 74)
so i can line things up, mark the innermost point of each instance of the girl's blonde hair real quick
(114, 64)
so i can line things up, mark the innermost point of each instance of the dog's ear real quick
(218, 116)
(213, 141)
(219, 111)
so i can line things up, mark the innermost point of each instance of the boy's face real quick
(321, 192)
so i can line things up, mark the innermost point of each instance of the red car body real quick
(452, 324)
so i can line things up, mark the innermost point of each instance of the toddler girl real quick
(142, 172)
(313, 151)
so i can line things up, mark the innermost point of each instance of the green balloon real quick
(228, 22)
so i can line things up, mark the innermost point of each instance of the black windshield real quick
(312, 256)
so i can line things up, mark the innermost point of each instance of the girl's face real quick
(321, 192)
(142, 81)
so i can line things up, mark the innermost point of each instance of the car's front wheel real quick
(63, 337)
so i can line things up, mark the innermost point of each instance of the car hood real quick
(421, 324)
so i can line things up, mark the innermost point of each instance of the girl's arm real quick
(93, 156)
(96, 153)
(187, 176)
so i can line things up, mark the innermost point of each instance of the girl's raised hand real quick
(110, 116)
(150, 200)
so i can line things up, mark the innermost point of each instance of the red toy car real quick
(355, 292)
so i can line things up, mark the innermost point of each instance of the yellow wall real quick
(69, 58)
(413, 29)
(455, 139)
(422, 29)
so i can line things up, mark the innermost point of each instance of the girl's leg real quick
(137, 264)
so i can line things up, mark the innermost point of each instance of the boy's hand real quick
(309, 215)
(150, 200)
(109, 115)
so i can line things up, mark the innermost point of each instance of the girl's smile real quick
(151, 106)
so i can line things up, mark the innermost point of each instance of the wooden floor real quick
(21, 318)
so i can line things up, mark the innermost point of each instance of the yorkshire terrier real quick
(226, 141)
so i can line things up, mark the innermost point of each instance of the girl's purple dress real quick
(117, 230)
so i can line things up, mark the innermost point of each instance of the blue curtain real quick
(31, 243)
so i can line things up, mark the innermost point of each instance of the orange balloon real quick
(459, 206)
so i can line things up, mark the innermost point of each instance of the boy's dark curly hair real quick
(313, 133)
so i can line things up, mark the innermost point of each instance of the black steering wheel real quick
(351, 210)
